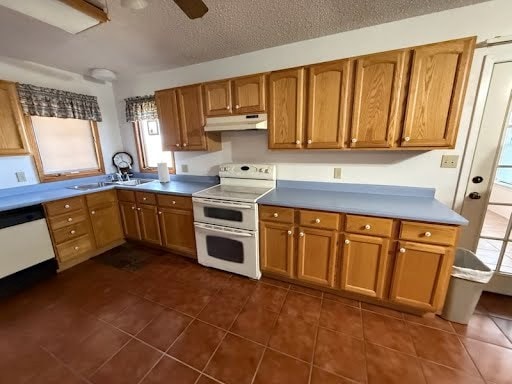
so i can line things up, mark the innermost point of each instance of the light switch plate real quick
(337, 173)
(449, 161)
(20, 176)
(184, 168)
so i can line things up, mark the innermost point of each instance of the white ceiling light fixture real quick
(102, 74)
(134, 4)
(72, 16)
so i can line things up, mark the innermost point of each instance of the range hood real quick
(236, 123)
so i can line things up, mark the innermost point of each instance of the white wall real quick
(26, 72)
(412, 168)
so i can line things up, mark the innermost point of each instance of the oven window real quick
(223, 214)
(225, 249)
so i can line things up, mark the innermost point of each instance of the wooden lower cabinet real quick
(364, 265)
(177, 227)
(130, 220)
(277, 248)
(149, 225)
(106, 224)
(420, 275)
(317, 256)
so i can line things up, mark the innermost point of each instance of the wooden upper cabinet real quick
(286, 109)
(217, 98)
(249, 94)
(316, 261)
(420, 276)
(364, 267)
(436, 93)
(167, 106)
(192, 120)
(13, 140)
(329, 94)
(277, 248)
(379, 99)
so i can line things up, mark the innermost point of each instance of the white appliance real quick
(236, 123)
(226, 218)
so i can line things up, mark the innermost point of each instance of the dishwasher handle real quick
(22, 215)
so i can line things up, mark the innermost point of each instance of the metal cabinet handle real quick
(93, 212)
(276, 214)
(237, 106)
(428, 234)
(297, 142)
(70, 219)
(354, 140)
(317, 221)
(173, 202)
(310, 141)
(367, 226)
(159, 212)
(73, 232)
(347, 241)
(138, 209)
(407, 138)
(144, 198)
(66, 206)
(301, 234)
(402, 250)
(228, 107)
(134, 207)
(289, 232)
(77, 248)
(178, 144)
(184, 144)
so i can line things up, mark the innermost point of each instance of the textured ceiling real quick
(162, 37)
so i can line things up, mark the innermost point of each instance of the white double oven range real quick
(226, 218)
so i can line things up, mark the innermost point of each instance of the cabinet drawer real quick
(428, 233)
(124, 195)
(319, 219)
(70, 232)
(62, 221)
(173, 201)
(278, 214)
(101, 198)
(145, 198)
(369, 225)
(65, 205)
(74, 248)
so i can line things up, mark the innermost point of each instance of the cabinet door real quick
(436, 93)
(149, 226)
(217, 98)
(106, 224)
(286, 109)
(13, 140)
(317, 256)
(277, 248)
(190, 102)
(421, 275)
(249, 94)
(167, 107)
(364, 267)
(129, 220)
(379, 98)
(328, 104)
(178, 230)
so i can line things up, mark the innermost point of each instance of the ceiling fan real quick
(194, 9)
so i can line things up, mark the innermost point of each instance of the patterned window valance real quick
(48, 102)
(141, 108)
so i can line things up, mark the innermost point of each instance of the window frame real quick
(43, 177)
(141, 155)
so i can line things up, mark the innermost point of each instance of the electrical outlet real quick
(21, 177)
(337, 173)
(184, 168)
(449, 161)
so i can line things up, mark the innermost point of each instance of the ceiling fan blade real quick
(193, 8)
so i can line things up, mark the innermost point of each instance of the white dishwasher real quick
(26, 252)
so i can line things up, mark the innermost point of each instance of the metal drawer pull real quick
(354, 140)
(70, 219)
(228, 107)
(93, 212)
(289, 232)
(184, 144)
(73, 232)
(177, 144)
(134, 207)
(276, 214)
(317, 221)
(407, 138)
(77, 248)
(66, 206)
(297, 142)
(174, 202)
(138, 209)
(428, 234)
(144, 198)
(159, 212)
(310, 141)
(237, 106)
(301, 234)
(347, 241)
(402, 250)
(367, 226)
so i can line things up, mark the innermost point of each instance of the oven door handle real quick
(223, 205)
(210, 229)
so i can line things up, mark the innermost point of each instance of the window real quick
(65, 148)
(149, 146)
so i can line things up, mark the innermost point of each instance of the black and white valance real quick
(141, 108)
(48, 102)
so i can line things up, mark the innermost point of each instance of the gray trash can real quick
(468, 279)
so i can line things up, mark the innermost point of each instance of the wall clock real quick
(122, 160)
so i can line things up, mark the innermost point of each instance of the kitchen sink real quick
(101, 184)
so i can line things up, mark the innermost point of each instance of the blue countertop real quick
(41, 193)
(406, 203)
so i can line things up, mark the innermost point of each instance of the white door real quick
(488, 201)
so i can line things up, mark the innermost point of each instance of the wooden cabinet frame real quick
(12, 143)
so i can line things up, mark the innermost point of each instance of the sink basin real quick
(101, 184)
(134, 182)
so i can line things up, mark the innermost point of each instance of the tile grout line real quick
(472, 360)
(317, 330)
(71, 369)
(501, 330)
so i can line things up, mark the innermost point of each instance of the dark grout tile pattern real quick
(175, 321)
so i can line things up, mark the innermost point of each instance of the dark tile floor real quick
(172, 321)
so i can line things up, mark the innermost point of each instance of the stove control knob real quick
(261, 170)
(267, 170)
